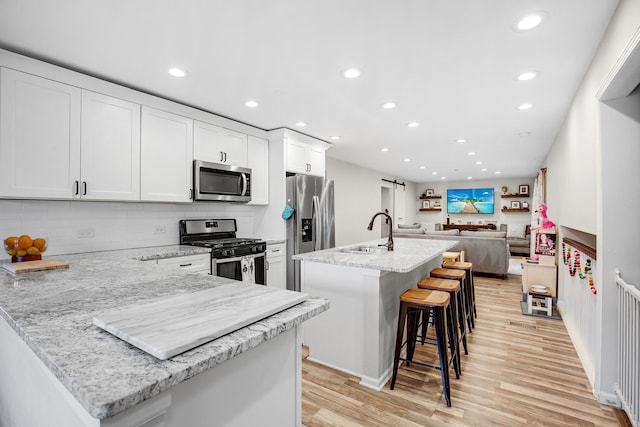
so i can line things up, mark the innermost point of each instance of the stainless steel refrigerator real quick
(312, 225)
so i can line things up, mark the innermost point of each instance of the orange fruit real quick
(11, 252)
(39, 243)
(33, 251)
(25, 242)
(11, 242)
(21, 252)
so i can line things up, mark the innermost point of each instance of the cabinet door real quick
(39, 136)
(296, 157)
(316, 161)
(110, 156)
(258, 162)
(276, 271)
(166, 156)
(219, 145)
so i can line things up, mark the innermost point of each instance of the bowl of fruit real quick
(24, 248)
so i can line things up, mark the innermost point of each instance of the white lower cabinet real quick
(193, 263)
(166, 152)
(276, 266)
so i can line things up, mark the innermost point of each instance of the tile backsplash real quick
(84, 226)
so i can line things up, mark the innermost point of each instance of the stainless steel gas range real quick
(233, 257)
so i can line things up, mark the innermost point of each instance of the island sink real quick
(361, 250)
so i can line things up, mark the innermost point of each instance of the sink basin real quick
(363, 250)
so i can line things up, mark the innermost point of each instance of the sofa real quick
(487, 250)
(518, 238)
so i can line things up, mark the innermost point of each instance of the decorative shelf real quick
(430, 197)
(430, 209)
(511, 196)
(515, 210)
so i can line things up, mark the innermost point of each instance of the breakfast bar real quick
(59, 368)
(363, 283)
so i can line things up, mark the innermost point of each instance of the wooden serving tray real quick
(29, 266)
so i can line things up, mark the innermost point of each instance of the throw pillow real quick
(414, 225)
(499, 234)
(408, 231)
(455, 232)
(516, 231)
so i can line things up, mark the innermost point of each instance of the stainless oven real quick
(218, 182)
(232, 257)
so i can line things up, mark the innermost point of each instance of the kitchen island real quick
(57, 368)
(363, 283)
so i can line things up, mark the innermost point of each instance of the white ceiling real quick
(448, 64)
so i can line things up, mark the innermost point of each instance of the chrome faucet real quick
(389, 243)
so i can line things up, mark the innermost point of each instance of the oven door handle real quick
(226, 260)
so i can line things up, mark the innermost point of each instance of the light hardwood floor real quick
(520, 370)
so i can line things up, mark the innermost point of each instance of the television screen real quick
(470, 201)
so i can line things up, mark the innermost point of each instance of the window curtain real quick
(539, 197)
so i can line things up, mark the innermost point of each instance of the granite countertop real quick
(408, 254)
(52, 312)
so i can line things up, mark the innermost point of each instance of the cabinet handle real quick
(76, 187)
(225, 157)
(186, 265)
(191, 194)
(84, 188)
(267, 264)
(221, 156)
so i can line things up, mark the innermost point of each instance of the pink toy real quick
(546, 223)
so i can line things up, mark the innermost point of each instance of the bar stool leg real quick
(459, 318)
(473, 292)
(454, 345)
(442, 352)
(468, 313)
(412, 331)
(396, 359)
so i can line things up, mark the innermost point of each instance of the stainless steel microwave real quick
(218, 182)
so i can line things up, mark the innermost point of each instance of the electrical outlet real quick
(160, 229)
(86, 233)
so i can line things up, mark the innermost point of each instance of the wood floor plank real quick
(520, 370)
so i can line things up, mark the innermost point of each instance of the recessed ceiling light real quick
(525, 106)
(389, 105)
(529, 75)
(301, 124)
(478, 162)
(443, 177)
(461, 140)
(434, 173)
(469, 177)
(483, 169)
(384, 150)
(524, 134)
(471, 153)
(407, 160)
(335, 137)
(352, 73)
(423, 167)
(177, 72)
(251, 104)
(530, 21)
(498, 172)
(413, 124)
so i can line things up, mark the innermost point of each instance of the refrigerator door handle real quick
(317, 224)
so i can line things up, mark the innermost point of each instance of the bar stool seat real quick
(459, 275)
(451, 256)
(471, 286)
(453, 288)
(412, 303)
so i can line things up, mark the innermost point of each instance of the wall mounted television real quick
(470, 201)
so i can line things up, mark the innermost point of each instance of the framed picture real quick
(425, 204)
(524, 189)
(436, 204)
(545, 243)
(525, 205)
(515, 205)
(429, 192)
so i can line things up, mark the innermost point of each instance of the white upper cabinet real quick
(305, 158)
(219, 145)
(166, 156)
(39, 137)
(258, 162)
(110, 153)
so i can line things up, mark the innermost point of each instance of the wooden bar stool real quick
(471, 287)
(451, 256)
(412, 303)
(459, 275)
(453, 288)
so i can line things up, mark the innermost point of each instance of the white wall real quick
(115, 225)
(429, 219)
(592, 171)
(358, 198)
